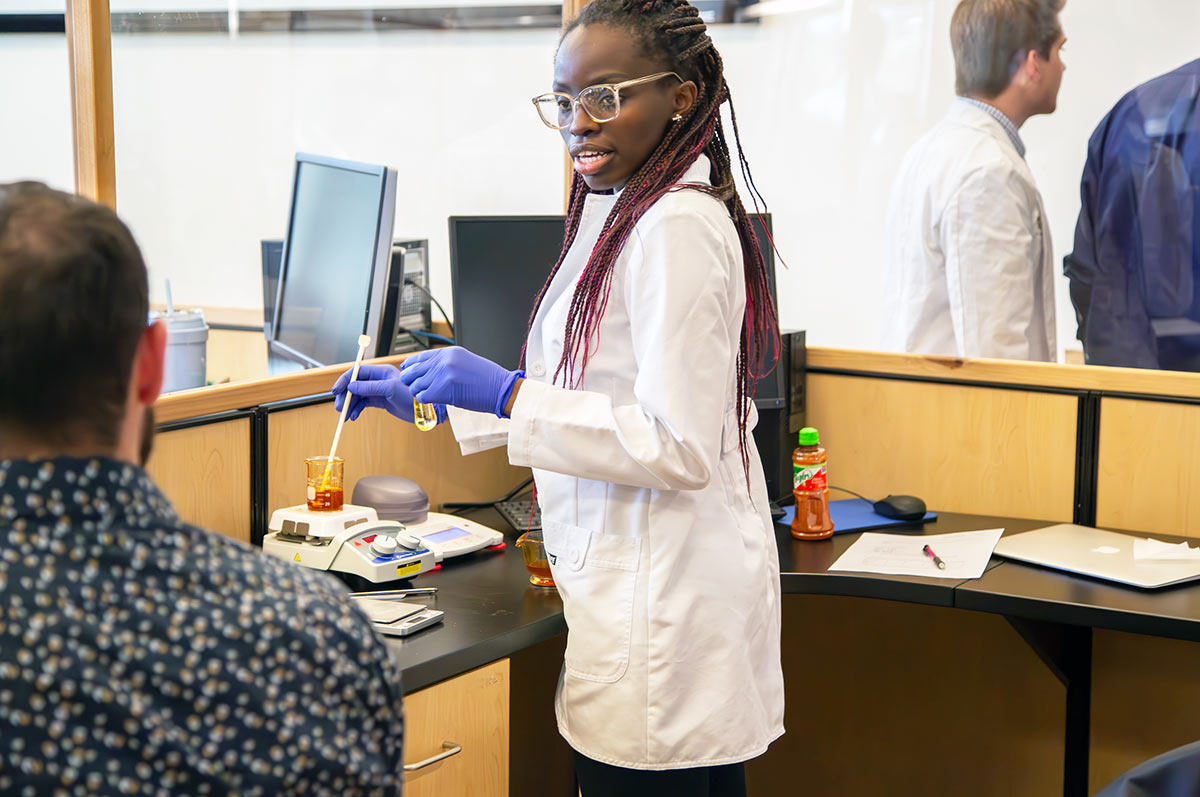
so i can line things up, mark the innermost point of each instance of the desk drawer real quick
(456, 736)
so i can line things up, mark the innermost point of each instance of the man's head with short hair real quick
(1000, 45)
(80, 365)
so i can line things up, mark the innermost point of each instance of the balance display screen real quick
(445, 536)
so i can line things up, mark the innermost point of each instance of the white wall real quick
(828, 100)
(35, 110)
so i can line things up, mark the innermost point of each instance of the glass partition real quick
(212, 102)
(211, 108)
(35, 94)
(830, 95)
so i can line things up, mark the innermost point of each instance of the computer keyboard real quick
(521, 513)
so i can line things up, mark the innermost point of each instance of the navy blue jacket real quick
(1136, 256)
(1175, 773)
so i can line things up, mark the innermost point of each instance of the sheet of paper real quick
(1149, 549)
(966, 554)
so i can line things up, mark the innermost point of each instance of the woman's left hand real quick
(453, 375)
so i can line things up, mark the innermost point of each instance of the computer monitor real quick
(406, 305)
(497, 266)
(272, 256)
(770, 391)
(499, 263)
(333, 277)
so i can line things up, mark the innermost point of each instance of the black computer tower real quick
(407, 307)
(780, 400)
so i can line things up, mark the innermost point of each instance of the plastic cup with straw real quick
(363, 342)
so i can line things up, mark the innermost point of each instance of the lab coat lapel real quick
(543, 350)
(541, 355)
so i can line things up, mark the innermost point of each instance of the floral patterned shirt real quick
(141, 655)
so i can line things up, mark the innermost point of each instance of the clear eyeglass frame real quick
(551, 102)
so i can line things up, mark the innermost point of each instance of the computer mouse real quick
(901, 507)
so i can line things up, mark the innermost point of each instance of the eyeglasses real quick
(602, 102)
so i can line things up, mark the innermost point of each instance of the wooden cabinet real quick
(468, 712)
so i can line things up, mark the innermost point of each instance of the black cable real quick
(844, 490)
(425, 334)
(449, 323)
(426, 345)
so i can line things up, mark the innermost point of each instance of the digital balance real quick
(351, 539)
(448, 536)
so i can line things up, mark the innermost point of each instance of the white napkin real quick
(1156, 549)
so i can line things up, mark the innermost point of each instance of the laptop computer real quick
(1096, 553)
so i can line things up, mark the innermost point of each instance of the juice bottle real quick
(810, 487)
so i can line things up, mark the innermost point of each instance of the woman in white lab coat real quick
(634, 415)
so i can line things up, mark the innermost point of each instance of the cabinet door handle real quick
(448, 749)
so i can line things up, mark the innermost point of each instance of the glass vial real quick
(424, 416)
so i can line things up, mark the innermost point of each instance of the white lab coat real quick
(665, 562)
(969, 259)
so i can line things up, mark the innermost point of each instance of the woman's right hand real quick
(377, 386)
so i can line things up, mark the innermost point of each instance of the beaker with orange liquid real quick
(533, 547)
(324, 480)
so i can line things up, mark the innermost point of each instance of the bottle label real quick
(809, 477)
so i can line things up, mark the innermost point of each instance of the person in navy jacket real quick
(1136, 265)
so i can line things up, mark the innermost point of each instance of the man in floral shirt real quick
(138, 654)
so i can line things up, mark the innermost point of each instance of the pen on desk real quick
(396, 593)
(937, 560)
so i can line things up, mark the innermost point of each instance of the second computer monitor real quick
(499, 263)
(497, 266)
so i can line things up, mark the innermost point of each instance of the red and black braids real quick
(670, 30)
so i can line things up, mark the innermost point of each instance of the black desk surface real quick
(492, 610)
(804, 564)
(1039, 593)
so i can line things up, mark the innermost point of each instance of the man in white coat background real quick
(969, 269)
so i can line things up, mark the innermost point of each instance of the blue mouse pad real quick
(855, 514)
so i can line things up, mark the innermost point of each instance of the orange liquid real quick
(540, 573)
(326, 500)
(812, 521)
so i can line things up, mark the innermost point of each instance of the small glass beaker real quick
(533, 547)
(324, 491)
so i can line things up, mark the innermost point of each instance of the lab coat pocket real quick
(596, 575)
(730, 435)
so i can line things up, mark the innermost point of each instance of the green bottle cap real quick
(808, 436)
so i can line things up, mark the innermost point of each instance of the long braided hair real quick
(673, 31)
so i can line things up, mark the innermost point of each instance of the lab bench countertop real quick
(492, 611)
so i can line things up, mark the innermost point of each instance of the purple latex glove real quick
(453, 375)
(377, 386)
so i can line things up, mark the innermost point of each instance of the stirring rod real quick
(363, 342)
